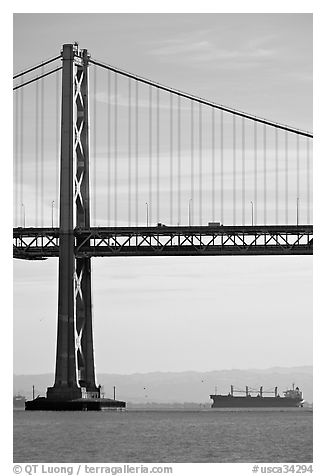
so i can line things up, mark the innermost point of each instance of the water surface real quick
(212, 436)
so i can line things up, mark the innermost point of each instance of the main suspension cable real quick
(36, 67)
(37, 78)
(201, 100)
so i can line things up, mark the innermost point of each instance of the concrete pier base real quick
(78, 404)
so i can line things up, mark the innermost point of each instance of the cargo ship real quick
(257, 398)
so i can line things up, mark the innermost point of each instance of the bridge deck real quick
(42, 243)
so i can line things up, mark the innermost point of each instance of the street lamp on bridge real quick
(23, 215)
(52, 207)
(252, 213)
(189, 211)
(297, 211)
(146, 214)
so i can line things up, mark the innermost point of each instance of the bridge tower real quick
(75, 373)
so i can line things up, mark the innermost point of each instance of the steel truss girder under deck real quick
(42, 243)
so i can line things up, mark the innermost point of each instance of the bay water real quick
(211, 436)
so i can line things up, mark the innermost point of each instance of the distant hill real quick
(180, 387)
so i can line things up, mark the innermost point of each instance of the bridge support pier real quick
(74, 386)
(66, 385)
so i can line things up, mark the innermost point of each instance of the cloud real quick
(181, 46)
(184, 48)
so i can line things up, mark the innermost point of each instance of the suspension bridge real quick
(130, 167)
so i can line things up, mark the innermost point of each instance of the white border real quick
(169, 6)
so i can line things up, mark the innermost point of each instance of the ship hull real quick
(221, 401)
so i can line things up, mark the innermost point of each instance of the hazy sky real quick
(172, 314)
(261, 63)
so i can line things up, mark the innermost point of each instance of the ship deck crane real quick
(248, 390)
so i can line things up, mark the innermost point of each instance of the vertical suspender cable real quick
(192, 157)
(213, 164)
(150, 153)
(16, 152)
(21, 178)
(179, 160)
(308, 180)
(57, 142)
(276, 176)
(243, 174)
(286, 178)
(109, 146)
(136, 151)
(255, 172)
(171, 159)
(222, 168)
(94, 147)
(158, 155)
(200, 166)
(298, 180)
(264, 175)
(42, 149)
(234, 170)
(129, 151)
(115, 149)
(36, 152)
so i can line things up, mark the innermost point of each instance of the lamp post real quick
(146, 214)
(297, 211)
(24, 215)
(189, 211)
(52, 206)
(252, 213)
